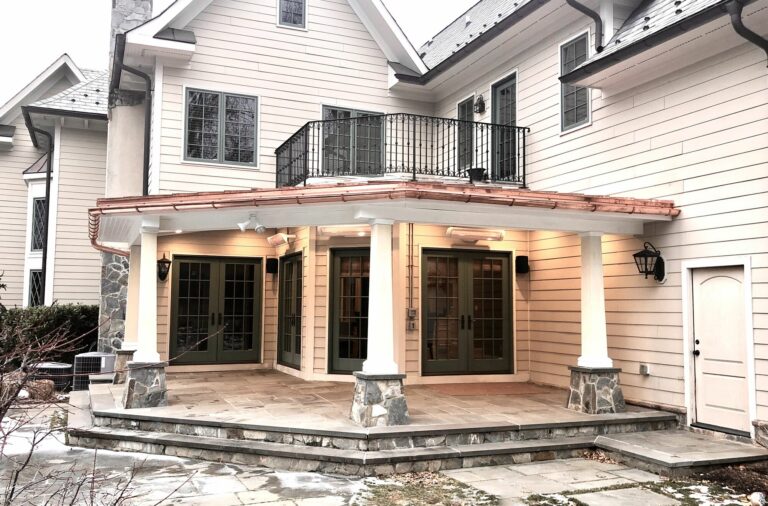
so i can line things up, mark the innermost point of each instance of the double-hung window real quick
(574, 100)
(292, 13)
(221, 128)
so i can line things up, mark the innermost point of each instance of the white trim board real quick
(687, 292)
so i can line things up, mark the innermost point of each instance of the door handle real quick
(462, 322)
(696, 353)
(469, 322)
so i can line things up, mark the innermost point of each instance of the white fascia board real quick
(142, 45)
(387, 34)
(63, 61)
(177, 15)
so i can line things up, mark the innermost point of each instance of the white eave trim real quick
(177, 15)
(387, 34)
(62, 61)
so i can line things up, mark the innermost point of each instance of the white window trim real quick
(565, 131)
(33, 260)
(232, 91)
(304, 28)
(53, 216)
(687, 267)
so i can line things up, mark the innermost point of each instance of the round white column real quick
(594, 337)
(381, 331)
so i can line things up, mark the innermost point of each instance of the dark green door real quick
(466, 308)
(216, 310)
(350, 271)
(289, 326)
(504, 112)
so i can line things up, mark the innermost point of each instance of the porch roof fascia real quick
(411, 198)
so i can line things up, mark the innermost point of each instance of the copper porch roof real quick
(370, 191)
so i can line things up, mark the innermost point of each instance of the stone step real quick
(98, 379)
(328, 460)
(384, 438)
(678, 452)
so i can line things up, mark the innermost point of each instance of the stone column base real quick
(379, 400)
(145, 386)
(761, 432)
(596, 390)
(121, 365)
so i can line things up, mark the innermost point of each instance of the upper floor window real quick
(574, 100)
(38, 224)
(293, 13)
(466, 114)
(221, 128)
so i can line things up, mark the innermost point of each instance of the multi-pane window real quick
(466, 142)
(574, 99)
(36, 295)
(293, 13)
(352, 141)
(221, 128)
(38, 224)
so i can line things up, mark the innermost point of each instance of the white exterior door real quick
(720, 349)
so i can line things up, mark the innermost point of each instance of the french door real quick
(350, 271)
(504, 112)
(290, 305)
(215, 310)
(352, 142)
(466, 313)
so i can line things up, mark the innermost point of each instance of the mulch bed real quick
(742, 479)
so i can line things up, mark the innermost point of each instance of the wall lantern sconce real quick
(163, 268)
(649, 261)
(479, 106)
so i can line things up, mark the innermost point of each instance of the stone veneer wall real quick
(114, 294)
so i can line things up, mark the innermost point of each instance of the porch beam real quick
(381, 330)
(147, 310)
(594, 337)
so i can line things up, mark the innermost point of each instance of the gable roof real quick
(62, 64)
(652, 23)
(87, 97)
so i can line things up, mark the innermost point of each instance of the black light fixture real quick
(479, 106)
(649, 261)
(163, 268)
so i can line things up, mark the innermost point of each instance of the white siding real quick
(82, 167)
(293, 72)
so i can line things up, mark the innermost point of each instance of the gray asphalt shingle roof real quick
(89, 96)
(650, 18)
(475, 21)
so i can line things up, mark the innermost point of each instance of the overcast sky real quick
(33, 33)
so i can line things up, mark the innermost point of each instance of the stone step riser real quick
(323, 466)
(378, 443)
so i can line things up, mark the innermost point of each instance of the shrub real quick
(73, 320)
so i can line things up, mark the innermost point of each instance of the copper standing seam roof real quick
(370, 191)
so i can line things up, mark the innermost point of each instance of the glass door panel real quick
(466, 312)
(291, 281)
(368, 144)
(194, 311)
(238, 282)
(504, 112)
(349, 322)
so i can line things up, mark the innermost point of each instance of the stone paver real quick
(513, 483)
(627, 496)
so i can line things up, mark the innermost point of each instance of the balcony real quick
(402, 144)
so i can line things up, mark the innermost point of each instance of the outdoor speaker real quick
(521, 264)
(272, 265)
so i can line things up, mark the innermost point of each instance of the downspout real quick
(117, 69)
(596, 17)
(734, 8)
(48, 171)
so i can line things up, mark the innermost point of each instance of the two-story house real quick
(299, 188)
(53, 144)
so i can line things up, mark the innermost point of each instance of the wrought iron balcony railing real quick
(402, 143)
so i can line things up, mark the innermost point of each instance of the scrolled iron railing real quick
(403, 143)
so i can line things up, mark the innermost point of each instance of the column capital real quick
(591, 233)
(381, 221)
(150, 225)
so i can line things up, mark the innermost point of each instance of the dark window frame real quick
(37, 239)
(221, 128)
(36, 296)
(287, 24)
(466, 142)
(568, 62)
(297, 296)
(336, 164)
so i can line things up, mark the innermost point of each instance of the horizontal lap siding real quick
(82, 166)
(294, 73)
(13, 213)
(697, 136)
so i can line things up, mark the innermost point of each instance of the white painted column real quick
(381, 331)
(594, 337)
(132, 303)
(147, 309)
